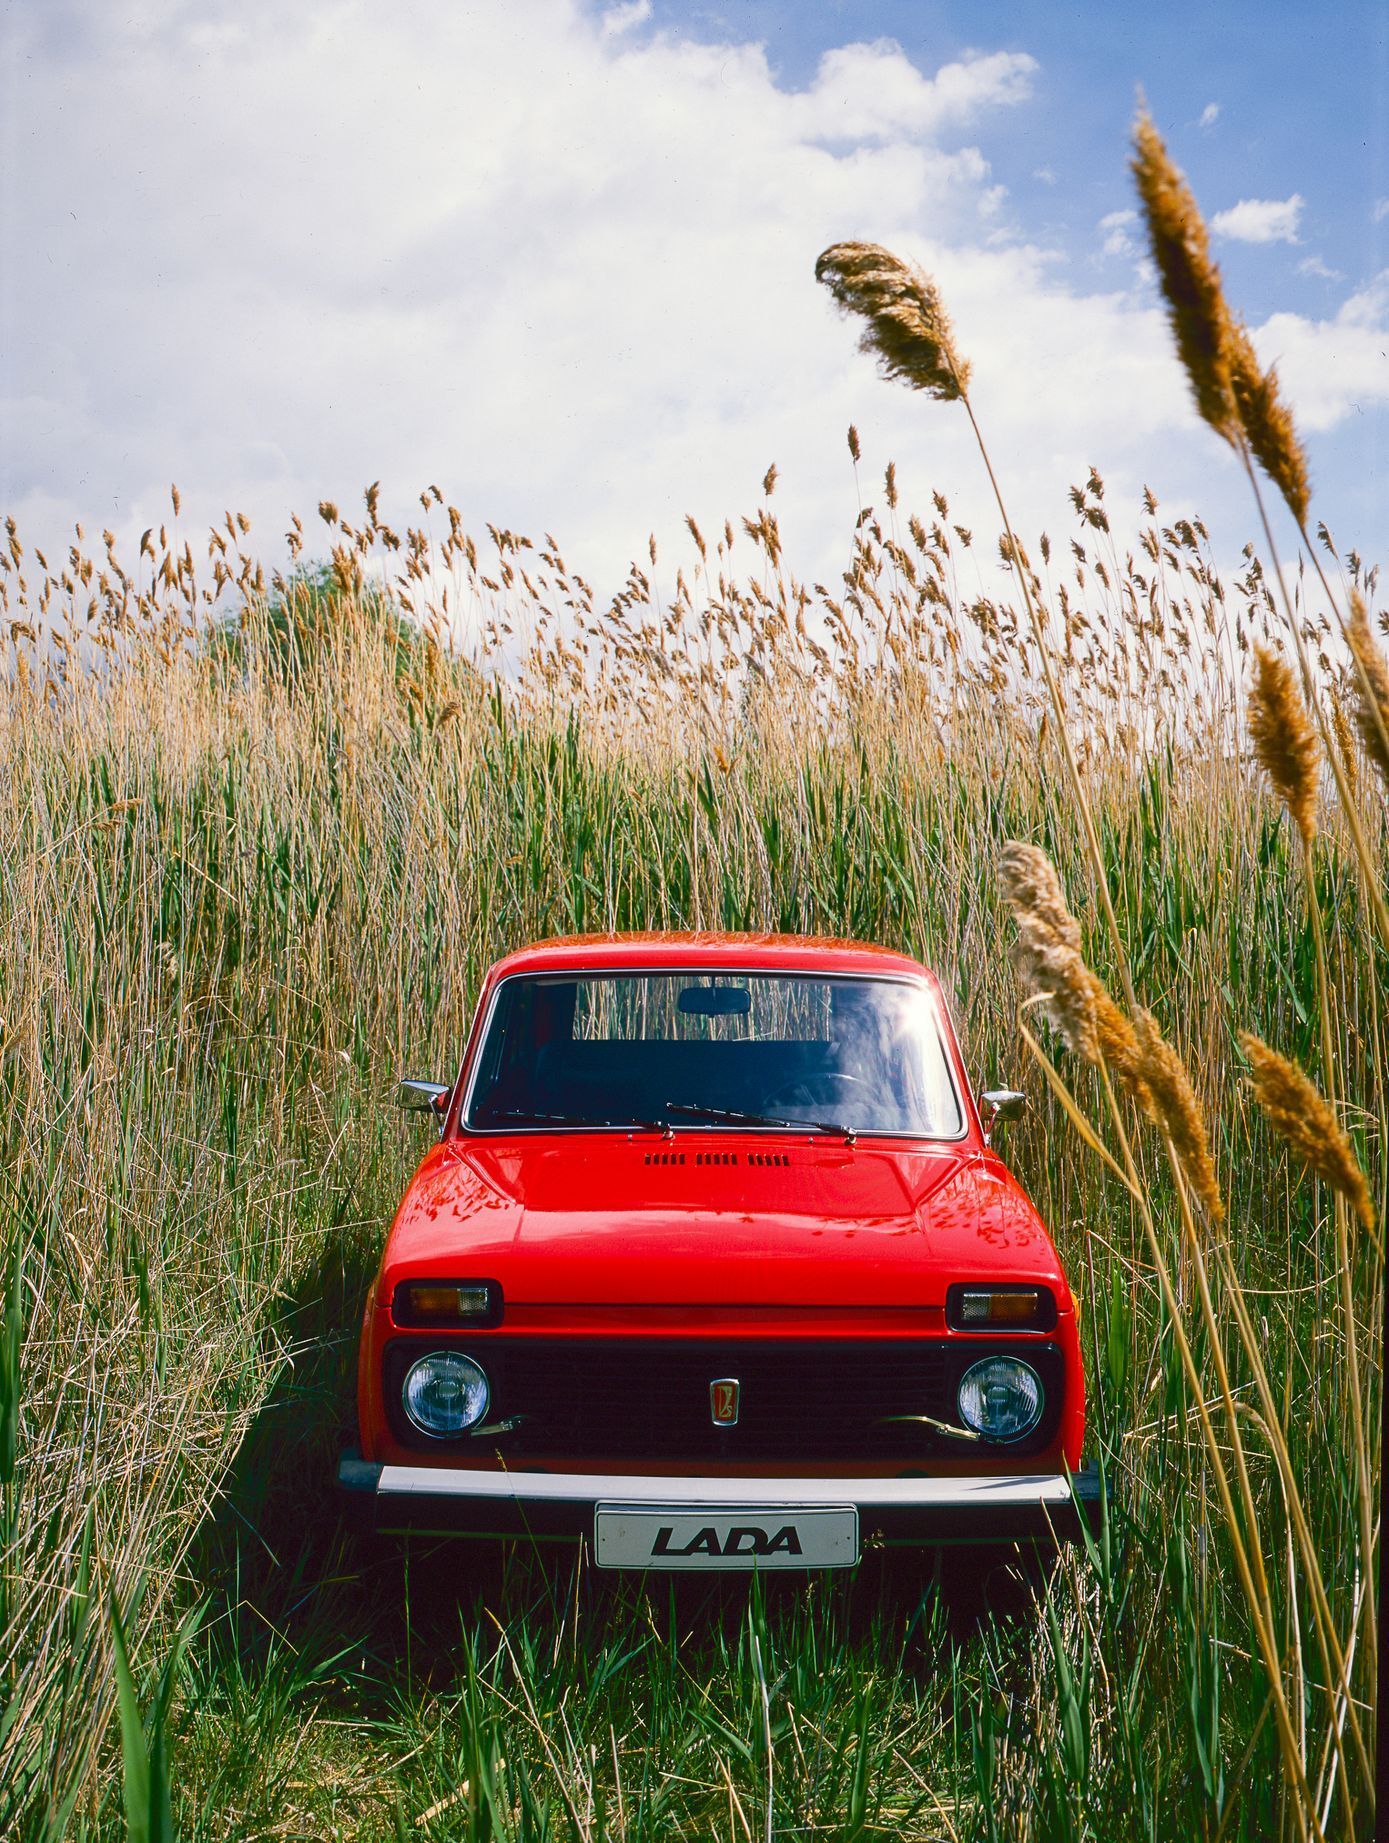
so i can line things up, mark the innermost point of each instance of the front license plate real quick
(724, 1540)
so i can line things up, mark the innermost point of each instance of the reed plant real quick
(260, 833)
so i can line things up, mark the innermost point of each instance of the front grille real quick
(648, 1398)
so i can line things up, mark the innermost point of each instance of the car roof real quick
(747, 952)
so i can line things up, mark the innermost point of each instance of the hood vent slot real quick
(765, 1159)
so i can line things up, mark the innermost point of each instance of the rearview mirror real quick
(431, 1097)
(716, 1001)
(997, 1104)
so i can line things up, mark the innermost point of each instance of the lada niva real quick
(714, 1267)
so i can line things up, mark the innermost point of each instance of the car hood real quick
(608, 1220)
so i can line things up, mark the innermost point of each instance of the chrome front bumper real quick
(998, 1507)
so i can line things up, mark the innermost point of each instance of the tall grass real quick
(259, 836)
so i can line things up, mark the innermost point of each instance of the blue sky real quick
(1301, 101)
(558, 256)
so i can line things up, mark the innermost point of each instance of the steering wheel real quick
(817, 1090)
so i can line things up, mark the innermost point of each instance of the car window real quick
(618, 1049)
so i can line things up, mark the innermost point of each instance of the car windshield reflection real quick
(696, 1050)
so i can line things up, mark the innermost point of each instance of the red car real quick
(714, 1266)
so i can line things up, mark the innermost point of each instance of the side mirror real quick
(431, 1097)
(997, 1104)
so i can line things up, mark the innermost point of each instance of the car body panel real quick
(586, 1219)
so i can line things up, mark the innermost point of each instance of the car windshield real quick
(734, 1050)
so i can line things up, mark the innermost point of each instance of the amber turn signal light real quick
(1000, 1308)
(447, 1302)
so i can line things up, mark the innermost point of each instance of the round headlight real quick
(445, 1394)
(1001, 1398)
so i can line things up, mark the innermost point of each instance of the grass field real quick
(251, 872)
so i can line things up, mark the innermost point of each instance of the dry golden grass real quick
(252, 878)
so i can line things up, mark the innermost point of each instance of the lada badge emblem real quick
(723, 1401)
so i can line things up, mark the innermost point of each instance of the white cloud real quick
(565, 273)
(1381, 210)
(1260, 220)
(1332, 368)
(619, 19)
(1210, 115)
(1115, 225)
(1045, 175)
(873, 93)
(1316, 265)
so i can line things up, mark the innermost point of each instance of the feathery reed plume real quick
(1049, 961)
(1173, 1105)
(1284, 740)
(1372, 687)
(1190, 279)
(1302, 1116)
(1047, 954)
(1345, 744)
(1268, 424)
(1120, 1047)
(1051, 965)
(908, 330)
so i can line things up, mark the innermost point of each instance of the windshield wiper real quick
(732, 1116)
(532, 1114)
